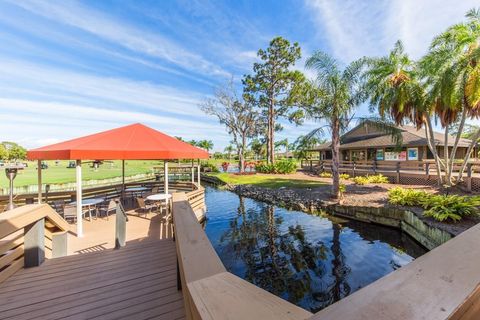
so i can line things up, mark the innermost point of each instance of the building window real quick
(358, 155)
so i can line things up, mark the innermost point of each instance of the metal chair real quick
(142, 206)
(106, 207)
(58, 206)
(70, 212)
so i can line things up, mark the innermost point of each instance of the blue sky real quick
(69, 68)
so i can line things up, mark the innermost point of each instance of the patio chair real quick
(58, 206)
(143, 207)
(70, 213)
(106, 207)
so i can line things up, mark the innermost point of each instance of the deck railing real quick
(209, 291)
(28, 235)
(442, 284)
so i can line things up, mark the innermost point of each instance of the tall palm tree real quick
(452, 73)
(332, 97)
(229, 149)
(393, 86)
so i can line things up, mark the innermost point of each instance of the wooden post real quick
(374, 166)
(34, 244)
(193, 173)
(59, 244)
(398, 173)
(469, 177)
(165, 176)
(79, 198)
(427, 169)
(123, 179)
(322, 166)
(311, 165)
(39, 177)
(354, 168)
(198, 175)
(120, 226)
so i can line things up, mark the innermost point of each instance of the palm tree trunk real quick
(467, 156)
(335, 157)
(457, 140)
(433, 149)
(445, 156)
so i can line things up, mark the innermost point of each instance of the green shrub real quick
(450, 207)
(377, 178)
(325, 174)
(406, 197)
(439, 207)
(280, 167)
(211, 167)
(344, 176)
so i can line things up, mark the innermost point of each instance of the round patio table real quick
(88, 203)
(160, 197)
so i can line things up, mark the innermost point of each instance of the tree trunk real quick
(467, 156)
(433, 149)
(457, 140)
(448, 181)
(335, 157)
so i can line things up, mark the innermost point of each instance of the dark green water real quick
(308, 260)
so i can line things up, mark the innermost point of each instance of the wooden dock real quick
(138, 281)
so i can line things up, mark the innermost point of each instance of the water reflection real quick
(308, 260)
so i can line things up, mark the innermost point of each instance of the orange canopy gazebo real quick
(132, 142)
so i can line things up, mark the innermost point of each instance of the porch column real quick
(123, 179)
(39, 175)
(193, 173)
(165, 173)
(79, 199)
(198, 175)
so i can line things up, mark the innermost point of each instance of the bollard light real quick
(11, 173)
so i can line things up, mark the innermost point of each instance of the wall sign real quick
(379, 155)
(412, 153)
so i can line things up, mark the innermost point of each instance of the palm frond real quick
(384, 125)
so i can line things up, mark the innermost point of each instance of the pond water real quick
(309, 260)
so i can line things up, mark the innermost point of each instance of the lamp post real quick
(11, 173)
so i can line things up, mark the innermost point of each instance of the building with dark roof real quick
(367, 142)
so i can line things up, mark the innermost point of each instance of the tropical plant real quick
(406, 197)
(283, 166)
(209, 166)
(205, 144)
(332, 97)
(258, 148)
(229, 149)
(225, 166)
(344, 176)
(376, 178)
(304, 143)
(240, 120)
(450, 207)
(274, 87)
(12, 151)
(325, 174)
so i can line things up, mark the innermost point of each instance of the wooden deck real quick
(138, 281)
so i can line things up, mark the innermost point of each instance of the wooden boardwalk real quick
(138, 281)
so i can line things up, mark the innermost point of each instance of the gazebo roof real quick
(132, 142)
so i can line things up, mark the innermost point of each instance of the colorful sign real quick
(412, 153)
(379, 155)
(402, 156)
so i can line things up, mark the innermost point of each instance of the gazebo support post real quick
(123, 179)
(79, 198)
(39, 174)
(193, 173)
(165, 173)
(198, 174)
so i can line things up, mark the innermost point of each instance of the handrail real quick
(210, 292)
(28, 235)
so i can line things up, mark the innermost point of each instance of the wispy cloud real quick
(354, 29)
(131, 37)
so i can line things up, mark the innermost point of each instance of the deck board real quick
(138, 281)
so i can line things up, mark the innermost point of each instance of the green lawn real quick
(61, 174)
(267, 181)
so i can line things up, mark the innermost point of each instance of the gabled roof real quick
(132, 142)
(411, 137)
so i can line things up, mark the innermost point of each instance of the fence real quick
(401, 172)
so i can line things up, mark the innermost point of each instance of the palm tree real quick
(452, 73)
(393, 86)
(205, 144)
(332, 97)
(229, 149)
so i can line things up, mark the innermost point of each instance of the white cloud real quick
(357, 28)
(135, 39)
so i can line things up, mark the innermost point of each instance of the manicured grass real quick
(267, 180)
(61, 174)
